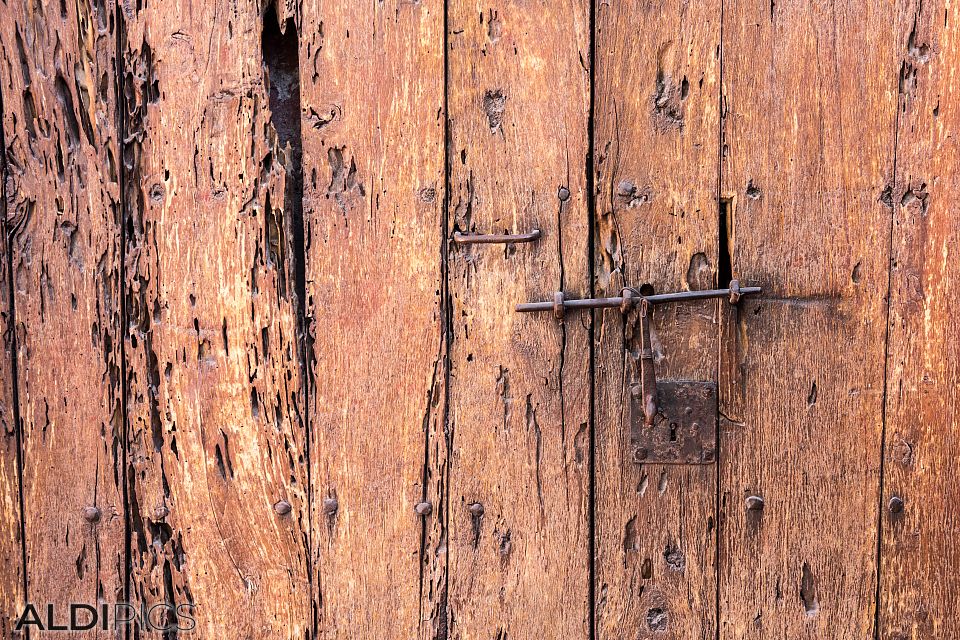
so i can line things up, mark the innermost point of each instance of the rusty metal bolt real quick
(754, 503)
(91, 514)
(563, 194)
(708, 455)
(283, 507)
(423, 508)
(734, 291)
(896, 504)
(476, 509)
(640, 454)
(330, 506)
(161, 512)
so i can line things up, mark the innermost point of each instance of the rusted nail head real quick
(640, 454)
(91, 514)
(754, 503)
(708, 455)
(563, 194)
(423, 508)
(896, 504)
(330, 506)
(476, 509)
(283, 507)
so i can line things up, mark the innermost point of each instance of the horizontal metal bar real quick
(659, 298)
(495, 238)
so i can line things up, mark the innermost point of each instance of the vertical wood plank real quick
(919, 591)
(809, 104)
(519, 425)
(656, 145)
(218, 481)
(62, 222)
(11, 548)
(373, 113)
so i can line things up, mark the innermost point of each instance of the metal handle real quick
(495, 238)
(632, 296)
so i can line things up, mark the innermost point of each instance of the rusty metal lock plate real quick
(685, 428)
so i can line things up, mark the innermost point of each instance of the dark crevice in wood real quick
(591, 333)
(125, 391)
(723, 257)
(442, 625)
(280, 47)
(725, 242)
(11, 330)
(886, 368)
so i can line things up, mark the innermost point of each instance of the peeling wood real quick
(373, 202)
(218, 488)
(656, 227)
(519, 423)
(63, 237)
(809, 104)
(919, 591)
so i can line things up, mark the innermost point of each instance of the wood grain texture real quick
(919, 591)
(62, 220)
(11, 547)
(217, 431)
(519, 100)
(809, 104)
(656, 142)
(373, 137)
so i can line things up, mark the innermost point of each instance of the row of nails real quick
(425, 508)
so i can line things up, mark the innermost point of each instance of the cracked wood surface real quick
(217, 434)
(519, 423)
(63, 233)
(271, 203)
(919, 591)
(11, 549)
(809, 106)
(373, 107)
(656, 223)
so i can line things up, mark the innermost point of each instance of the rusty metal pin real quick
(476, 509)
(91, 514)
(648, 375)
(754, 503)
(896, 504)
(495, 238)
(330, 506)
(653, 299)
(423, 508)
(563, 194)
(282, 507)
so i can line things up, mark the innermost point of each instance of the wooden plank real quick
(62, 217)
(809, 104)
(657, 122)
(919, 592)
(11, 547)
(218, 481)
(373, 200)
(519, 424)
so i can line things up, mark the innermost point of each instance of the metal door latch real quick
(674, 421)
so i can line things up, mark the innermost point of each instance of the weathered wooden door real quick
(260, 379)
